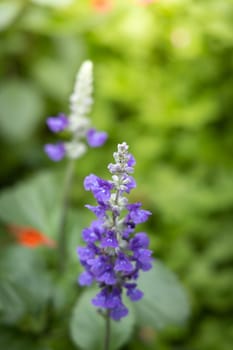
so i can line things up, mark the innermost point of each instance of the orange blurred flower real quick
(101, 5)
(29, 236)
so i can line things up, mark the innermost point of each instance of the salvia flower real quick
(77, 123)
(114, 254)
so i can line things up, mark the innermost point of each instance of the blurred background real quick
(163, 84)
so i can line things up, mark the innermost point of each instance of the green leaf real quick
(88, 327)
(35, 202)
(21, 109)
(26, 287)
(165, 301)
(8, 12)
(12, 307)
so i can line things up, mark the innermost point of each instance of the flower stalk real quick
(62, 232)
(107, 331)
(78, 126)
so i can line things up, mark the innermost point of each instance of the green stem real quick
(107, 331)
(62, 238)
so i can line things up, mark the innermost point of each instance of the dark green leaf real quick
(13, 340)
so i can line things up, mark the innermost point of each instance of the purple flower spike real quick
(55, 151)
(96, 138)
(115, 255)
(57, 124)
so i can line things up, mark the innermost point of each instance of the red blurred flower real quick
(101, 5)
(30, 237)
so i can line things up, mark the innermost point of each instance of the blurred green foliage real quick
(163, 83)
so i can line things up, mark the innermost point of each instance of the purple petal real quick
(140, 240)
(123, 264)
(98, 265)
(100, 299)
(114, 298)
(99, 211)
(129, 184)
(102, 192)
(143, 258)
(96, 138)
(134, 294)
(55, 151)
(85, 253)
(131, 162)
(108, 277)
(109, 241)
(91, 182)
(107, 299)
(136, 214)
(118, 312)
(143, 255)
(58, 123)
(100, 188)
(85, 279)
(89, 235)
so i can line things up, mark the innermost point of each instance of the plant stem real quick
(107, 331)
(62, 238)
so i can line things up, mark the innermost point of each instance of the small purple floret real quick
(118, 312)
(85, 279)
(131, 161)
(96, 138)
(136, 214)
(123, 264)
(132, 292)
(108, 277)
(57, 124)
(55, 151)
(100, 188)
(109, 240)
(140, 240)
(91, 182)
